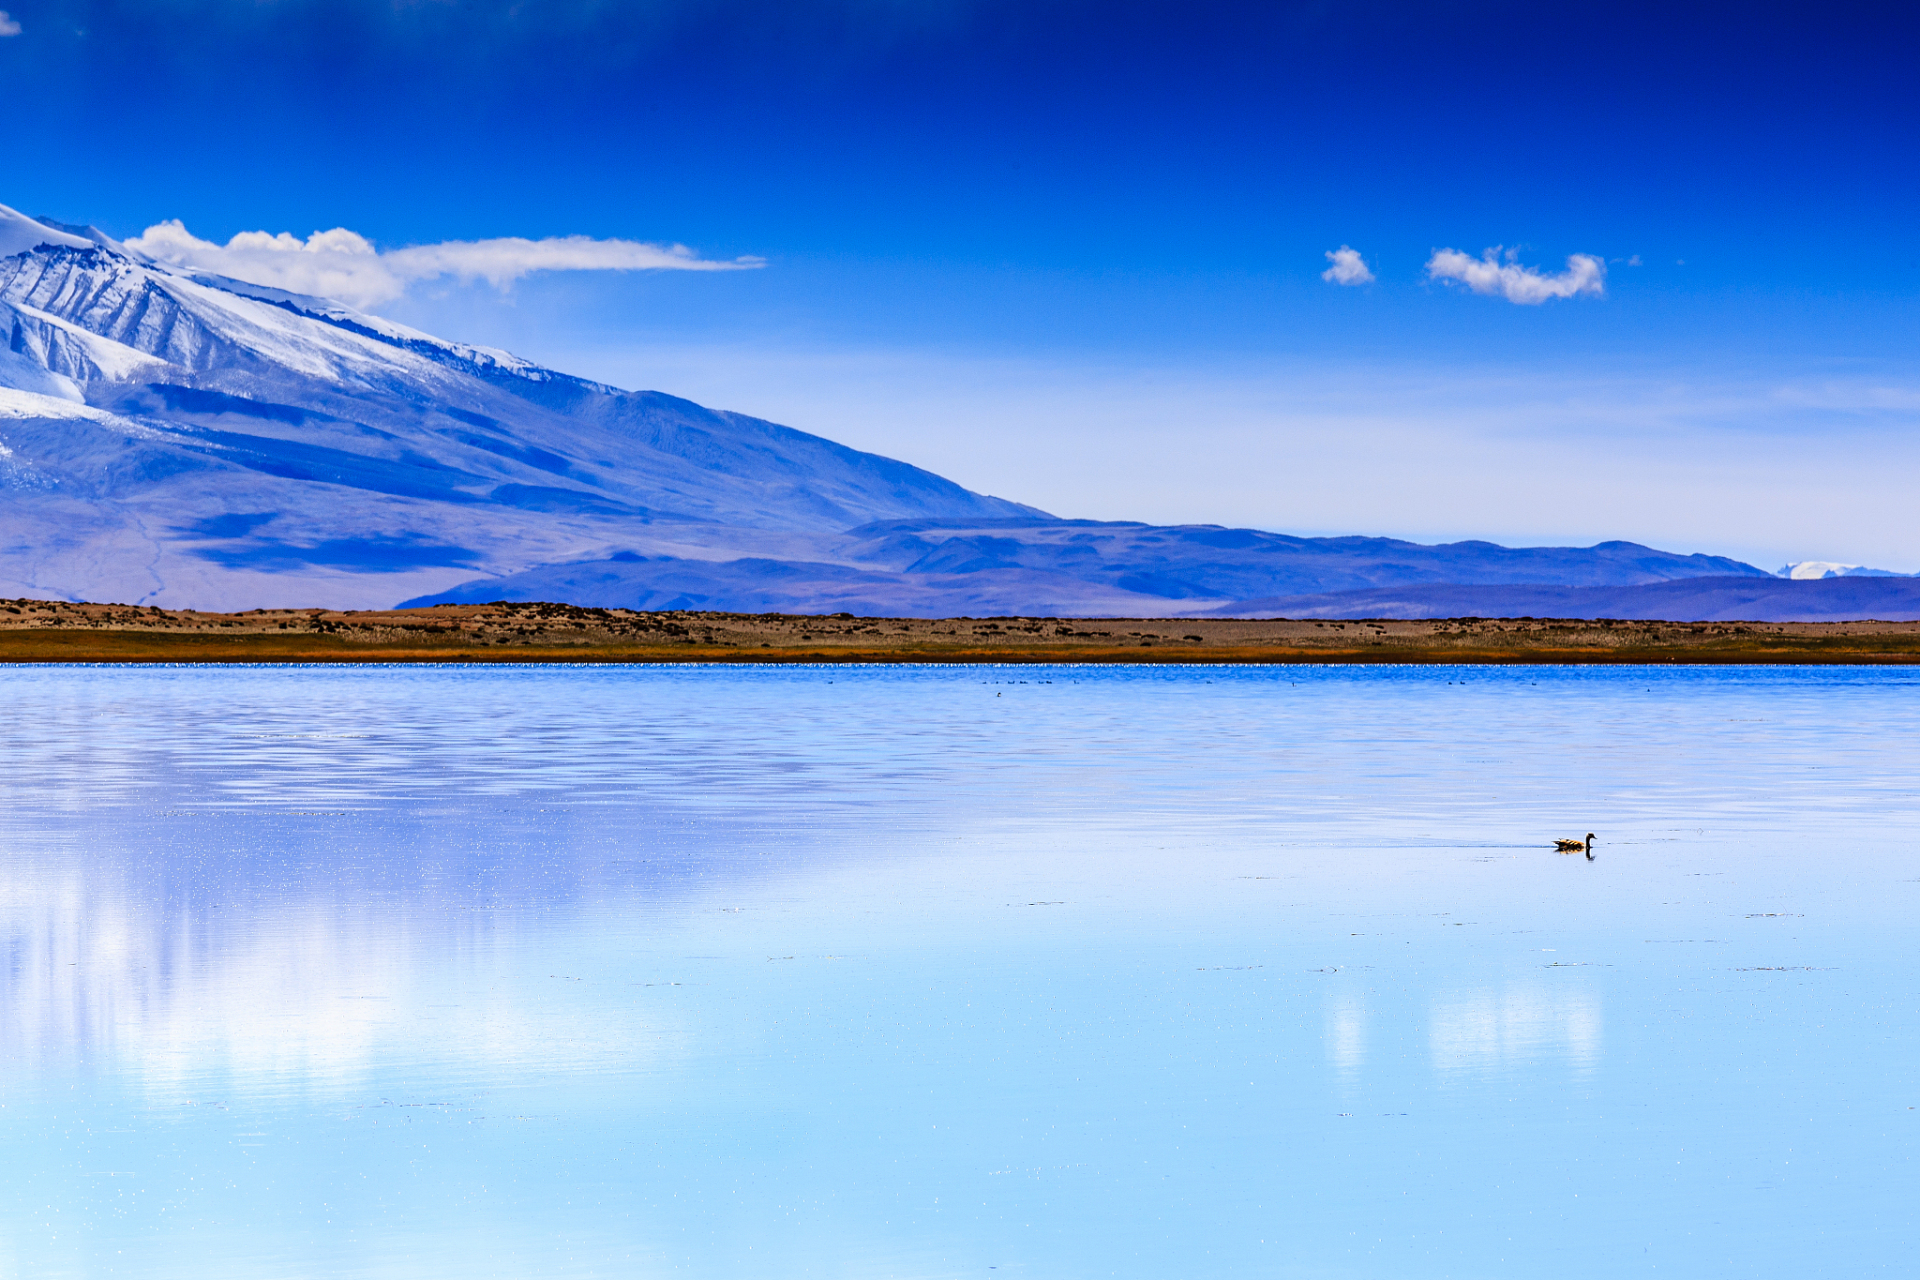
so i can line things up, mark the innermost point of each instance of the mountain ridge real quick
(181, 438)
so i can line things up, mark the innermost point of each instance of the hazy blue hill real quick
(788, 586)
(1741, 599)
(1208, 561)
(1079, 567)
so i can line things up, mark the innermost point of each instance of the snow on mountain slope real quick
(26, 405)
(192, 440)
(73, 353)
(200, 328)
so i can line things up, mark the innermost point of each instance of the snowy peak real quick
(1805, 570)
(21, 234)
(200, 323)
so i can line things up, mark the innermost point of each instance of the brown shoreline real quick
(50, 631)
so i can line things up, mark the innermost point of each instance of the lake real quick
(958, 971)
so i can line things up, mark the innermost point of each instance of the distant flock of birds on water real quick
(1577, 846)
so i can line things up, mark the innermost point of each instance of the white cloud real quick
(8, 25)
(344, 265)
(1348, 267)
(1525, 285)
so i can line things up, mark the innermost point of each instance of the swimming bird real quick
(1576, 846)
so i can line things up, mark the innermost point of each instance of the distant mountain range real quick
(186, 440)
(1889, 598)
(1040, 565)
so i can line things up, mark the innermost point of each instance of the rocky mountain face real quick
(195, 441)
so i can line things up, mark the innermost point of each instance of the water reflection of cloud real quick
(1346, 1038)
(316, 989)
(1516, 1025)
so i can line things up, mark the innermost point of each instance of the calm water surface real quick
(1043, 971)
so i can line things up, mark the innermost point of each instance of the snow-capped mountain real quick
(182, 439)
(1802, 570)
(190, 440)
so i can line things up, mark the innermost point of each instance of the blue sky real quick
(1073, 253)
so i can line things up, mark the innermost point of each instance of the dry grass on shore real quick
(52, 631)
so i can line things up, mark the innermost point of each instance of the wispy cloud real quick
(345, 265)
(9, 26)
(1348, 267)
(1505, 277)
